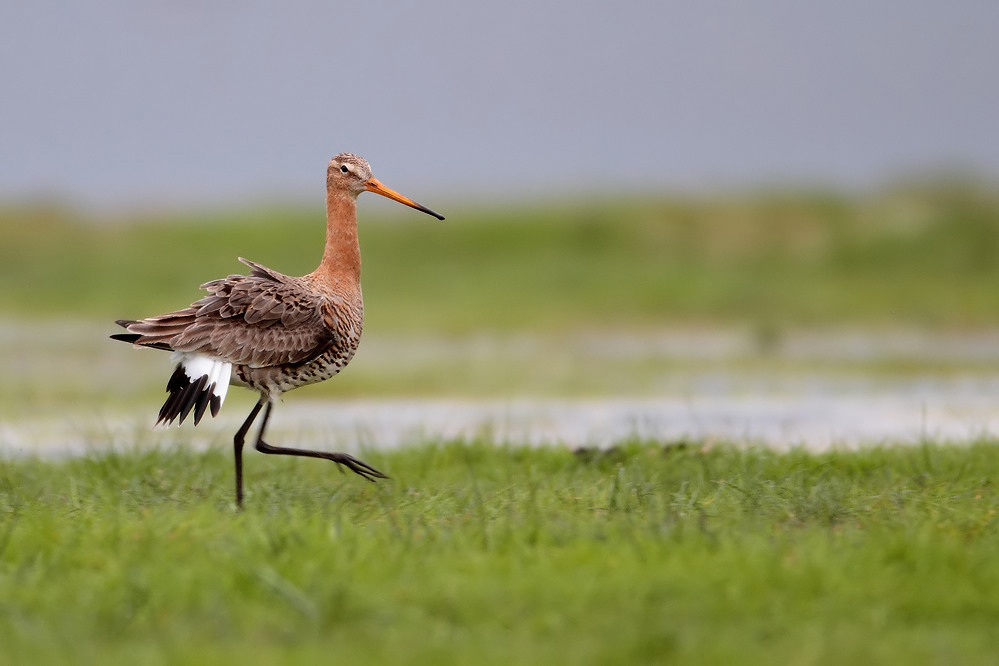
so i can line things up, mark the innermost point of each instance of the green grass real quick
(921, 257)
(479, 554)
(496, 555)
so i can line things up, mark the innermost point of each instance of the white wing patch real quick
(199, 383)
(195, 366)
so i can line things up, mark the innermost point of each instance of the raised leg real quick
(237, 445)
(347, 460)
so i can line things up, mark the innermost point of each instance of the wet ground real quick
(811, 412)
(814, 390)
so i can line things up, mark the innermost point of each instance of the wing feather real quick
(262, 319)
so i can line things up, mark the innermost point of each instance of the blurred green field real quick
(921, 257)
(478, 554)
(597, 297)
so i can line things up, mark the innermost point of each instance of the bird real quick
(271, 332)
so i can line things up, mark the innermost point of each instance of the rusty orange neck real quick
(341, 264)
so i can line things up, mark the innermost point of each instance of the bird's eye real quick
(343, 168)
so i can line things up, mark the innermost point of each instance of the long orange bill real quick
(373, 185)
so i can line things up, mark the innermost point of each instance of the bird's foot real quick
(357, 466)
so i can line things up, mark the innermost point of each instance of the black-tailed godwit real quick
(272, 332)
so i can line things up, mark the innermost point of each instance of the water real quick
(811, 412)
(810, 389)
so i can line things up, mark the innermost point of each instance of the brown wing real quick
(262, 319)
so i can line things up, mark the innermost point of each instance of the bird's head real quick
(352, 174)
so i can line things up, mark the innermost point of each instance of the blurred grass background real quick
(555, 298)
(561, 298)
(909, 256)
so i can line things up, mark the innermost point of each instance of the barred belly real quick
(275, 380)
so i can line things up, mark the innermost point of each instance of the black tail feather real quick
(136, 338)
(178, 380)
(191, 393)
(201, 404)
(187, 394)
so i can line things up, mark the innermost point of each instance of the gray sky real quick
(115, 102)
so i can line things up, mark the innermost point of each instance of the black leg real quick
(237, 444)
(347, 460)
